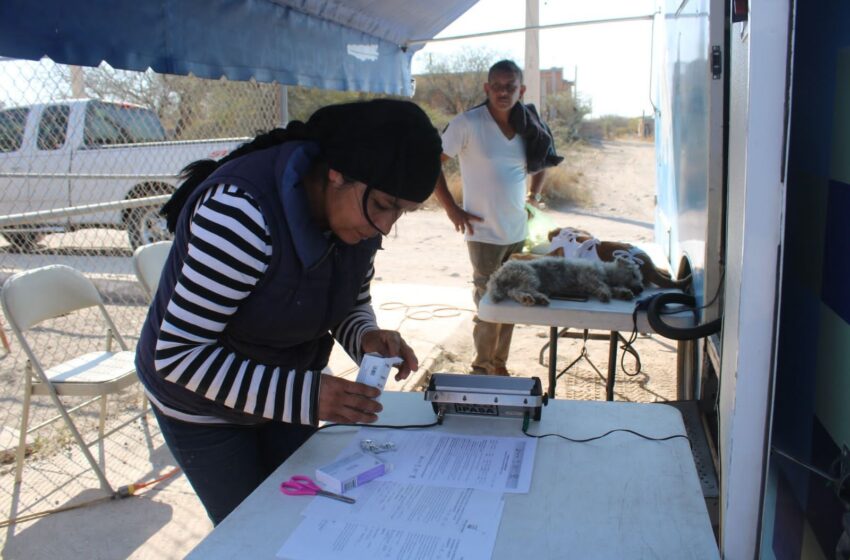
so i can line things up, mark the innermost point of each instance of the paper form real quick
(496, 464)
(428, 508)
(398, 520)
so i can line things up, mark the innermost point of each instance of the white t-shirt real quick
(493, 172)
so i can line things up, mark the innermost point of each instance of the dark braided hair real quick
(197, 172)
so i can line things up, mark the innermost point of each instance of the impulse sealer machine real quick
(485, 395)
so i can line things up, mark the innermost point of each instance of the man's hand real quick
(459, 217)
(347, 402)
(462, 219)
(390, 344)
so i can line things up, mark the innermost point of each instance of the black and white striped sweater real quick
(229, 252)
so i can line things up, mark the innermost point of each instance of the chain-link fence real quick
(87, 158)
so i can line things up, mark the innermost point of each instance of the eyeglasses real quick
(373, 210)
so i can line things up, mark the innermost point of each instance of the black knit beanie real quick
(389, 145)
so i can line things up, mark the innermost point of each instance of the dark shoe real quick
(475, 370)
(503, 371)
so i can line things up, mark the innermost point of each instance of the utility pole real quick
(532, 53)
(78, 83)
(575, 84)
(282, 102)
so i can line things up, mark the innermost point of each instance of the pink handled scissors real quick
(300, 485)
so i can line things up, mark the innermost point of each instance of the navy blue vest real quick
(310, 286)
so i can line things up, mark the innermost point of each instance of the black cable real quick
(628, 343)
(384, 426)
(525, 423)
(609, 432)
(653, 305)
(654, 313)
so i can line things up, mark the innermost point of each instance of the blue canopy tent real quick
(330, 44)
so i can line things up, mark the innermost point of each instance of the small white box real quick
(351, 471)
(375, 370)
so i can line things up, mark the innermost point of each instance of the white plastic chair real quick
(148, 261)
(31, 297)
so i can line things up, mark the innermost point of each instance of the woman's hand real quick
(347, 402)
(390, 344)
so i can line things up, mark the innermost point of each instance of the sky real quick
(611, 62)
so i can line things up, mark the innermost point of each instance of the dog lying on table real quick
(572, 243)
(534, 282)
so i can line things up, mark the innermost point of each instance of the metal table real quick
(616, 497)
(614, 317)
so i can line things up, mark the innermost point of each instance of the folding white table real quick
(616, 497)
(615, 317)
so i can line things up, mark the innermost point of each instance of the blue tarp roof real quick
(328, 44)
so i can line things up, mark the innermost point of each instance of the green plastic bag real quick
(539, 226)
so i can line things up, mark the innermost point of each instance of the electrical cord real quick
(122, 492)
(384, 426)
(627, 346)
(424, 311)
(653, 306)
(526, 420)
(655, 311)
(440, 416)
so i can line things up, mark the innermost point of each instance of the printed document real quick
(495, 464)
(399, 520)
(430, 508)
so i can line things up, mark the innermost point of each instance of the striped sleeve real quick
(229, 251)
(349, 333)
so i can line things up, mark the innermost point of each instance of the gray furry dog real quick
(534, 282)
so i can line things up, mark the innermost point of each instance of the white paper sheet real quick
(496, 464)
(396, 520)
(429, 508)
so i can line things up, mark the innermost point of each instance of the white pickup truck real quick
(75, 153)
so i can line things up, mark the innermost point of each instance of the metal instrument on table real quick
(486, 395)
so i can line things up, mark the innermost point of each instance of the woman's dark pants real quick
(226, 462)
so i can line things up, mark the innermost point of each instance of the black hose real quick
(654, 313)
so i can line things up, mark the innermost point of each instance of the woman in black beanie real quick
(272, 259)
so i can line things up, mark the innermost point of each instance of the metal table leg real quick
(553, 358)
(612, 365)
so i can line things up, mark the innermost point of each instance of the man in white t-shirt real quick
(493, 217)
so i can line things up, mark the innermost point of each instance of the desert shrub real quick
(564, 115)
(607, 127)
(563, 185)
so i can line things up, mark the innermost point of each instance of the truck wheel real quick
(24, 242)
(145, 225)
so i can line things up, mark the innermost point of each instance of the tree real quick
(189, 107)
(303, 101)
(564, 115)
(455, 83)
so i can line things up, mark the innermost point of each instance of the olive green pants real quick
(492, 340)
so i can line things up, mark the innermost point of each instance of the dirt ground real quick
(425, 249)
